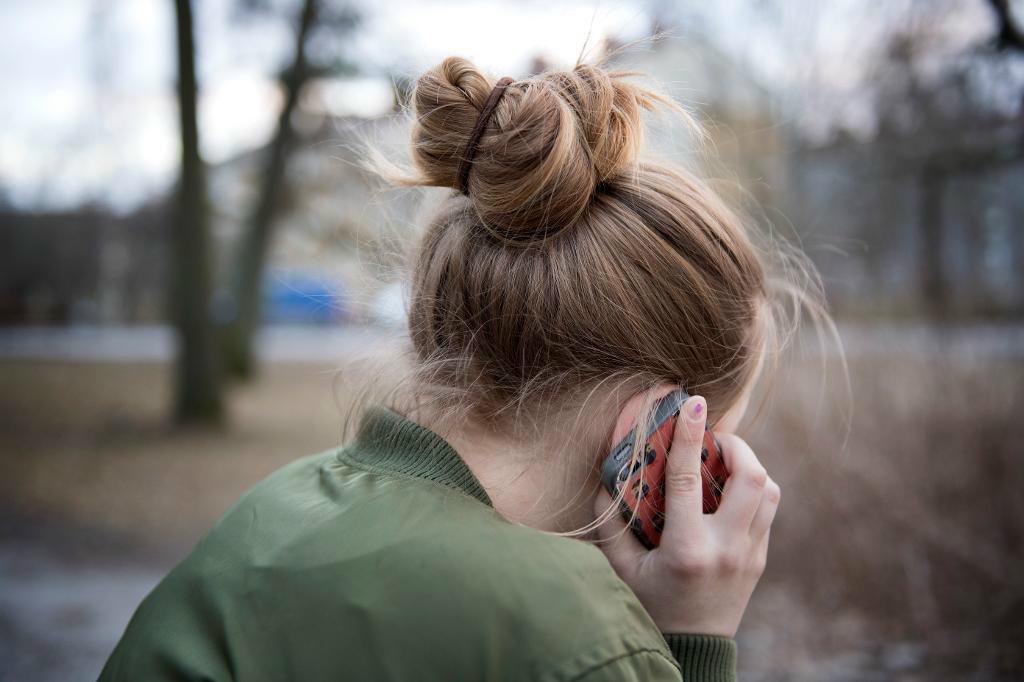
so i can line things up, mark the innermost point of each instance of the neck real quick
(548, 484)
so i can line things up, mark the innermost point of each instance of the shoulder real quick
(551, 604)
(441, 572)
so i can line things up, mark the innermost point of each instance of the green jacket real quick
(385, 560)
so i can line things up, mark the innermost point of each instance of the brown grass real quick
(90, 443)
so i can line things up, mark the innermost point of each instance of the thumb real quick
(684, 505)
(615, 539)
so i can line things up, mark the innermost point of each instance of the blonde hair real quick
(572, 263)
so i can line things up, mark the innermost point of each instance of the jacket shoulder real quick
(554, 603)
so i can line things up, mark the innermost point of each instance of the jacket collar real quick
(389, 442)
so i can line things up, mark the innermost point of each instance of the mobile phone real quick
(642, 482)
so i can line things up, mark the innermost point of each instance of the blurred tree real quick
(1009, 35)
(198, 380)
(940, 129)
(253, 250)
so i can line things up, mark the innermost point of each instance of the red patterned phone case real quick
(644, 480)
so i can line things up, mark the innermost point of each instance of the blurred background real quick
(189, 250)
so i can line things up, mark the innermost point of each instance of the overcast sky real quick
(89, 109)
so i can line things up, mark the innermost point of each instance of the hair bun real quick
(548, 144)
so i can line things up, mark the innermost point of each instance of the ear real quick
(631, 410)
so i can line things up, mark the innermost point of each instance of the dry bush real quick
(916, 528)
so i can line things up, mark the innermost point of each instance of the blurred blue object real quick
(291, 297)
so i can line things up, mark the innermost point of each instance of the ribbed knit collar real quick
(389, 442)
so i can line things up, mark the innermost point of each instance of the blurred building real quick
(338, 229)
(909, 222)
(338, 237)
(84, 266)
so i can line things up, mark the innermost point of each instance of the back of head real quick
(572, 262)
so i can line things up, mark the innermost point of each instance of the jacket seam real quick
(597, 666)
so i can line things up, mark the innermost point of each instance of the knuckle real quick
(757, 476)
(689, 562)
(686, 482)
(730, 561)
(774, 492)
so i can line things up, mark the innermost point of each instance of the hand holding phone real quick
(700, 577)
(642, 481)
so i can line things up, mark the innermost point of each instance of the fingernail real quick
(695, 409)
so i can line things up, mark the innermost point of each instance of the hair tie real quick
(478, 130)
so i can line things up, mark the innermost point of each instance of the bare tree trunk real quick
(252, 252)
(198, 384)
(1009, 35)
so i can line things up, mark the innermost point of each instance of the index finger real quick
(745, 486)
(684, 504)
